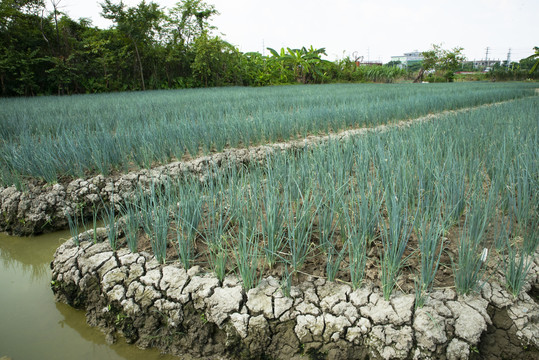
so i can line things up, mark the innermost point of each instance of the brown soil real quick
(315, 265)
(500, 341)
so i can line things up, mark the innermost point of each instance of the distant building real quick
(408, 58)
(481, 64)
(368, 63)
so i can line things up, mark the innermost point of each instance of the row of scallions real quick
(78, 136)
(464, 189)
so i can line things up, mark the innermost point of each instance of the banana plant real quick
(306, 64)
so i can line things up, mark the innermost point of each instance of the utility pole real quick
(486, 56)
(509, 58)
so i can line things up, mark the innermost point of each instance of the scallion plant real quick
(187, 219)
(300, 219)
(108, 215)
(272, 219)
(472, 252)
(395, 238)
(517, 265)
(73, 222)
(247, 251)
(132, 224)
(431, 246)
(155, 216)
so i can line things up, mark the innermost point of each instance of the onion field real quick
(453, 198)
(51, 138)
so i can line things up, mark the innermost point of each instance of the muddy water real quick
(32, 324)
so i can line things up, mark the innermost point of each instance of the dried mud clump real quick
(193, 315)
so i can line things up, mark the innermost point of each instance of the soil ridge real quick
(192, 314)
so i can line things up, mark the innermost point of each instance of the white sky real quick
(375, 29)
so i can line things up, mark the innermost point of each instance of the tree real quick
(55, 4)
(10, 10)
(443, 61)
(24, 47)
(215, 61)
(262, 70)
(393, 63)
(139, 24)
(188, 20)
(46, 52)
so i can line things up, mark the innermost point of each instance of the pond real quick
(32, 324)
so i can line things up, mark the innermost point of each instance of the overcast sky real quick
(375, 29)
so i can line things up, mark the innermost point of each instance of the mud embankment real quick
(190, 313)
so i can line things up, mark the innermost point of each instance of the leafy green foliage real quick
(444, 62)
(148, 47)
(534, 57)
(306, 65)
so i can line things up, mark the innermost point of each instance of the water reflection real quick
(75, 320)
(33, 325)
(31, 255)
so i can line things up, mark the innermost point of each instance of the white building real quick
(482, 64)
(408, 58)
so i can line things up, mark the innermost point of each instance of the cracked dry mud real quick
(190, 313)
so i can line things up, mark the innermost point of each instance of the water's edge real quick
(33, 324)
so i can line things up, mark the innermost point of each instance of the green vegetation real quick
(131, 226)
(83, 135)
(110, 221)
(472, 250)
(516, 265)
(430, 231)
(535, 58)
(187, 219)
(73, 222)
(390, 199)
(442, 62)
(148, 47)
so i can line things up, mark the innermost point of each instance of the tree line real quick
(45, 52)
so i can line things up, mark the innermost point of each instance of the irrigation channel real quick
(33, 325)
